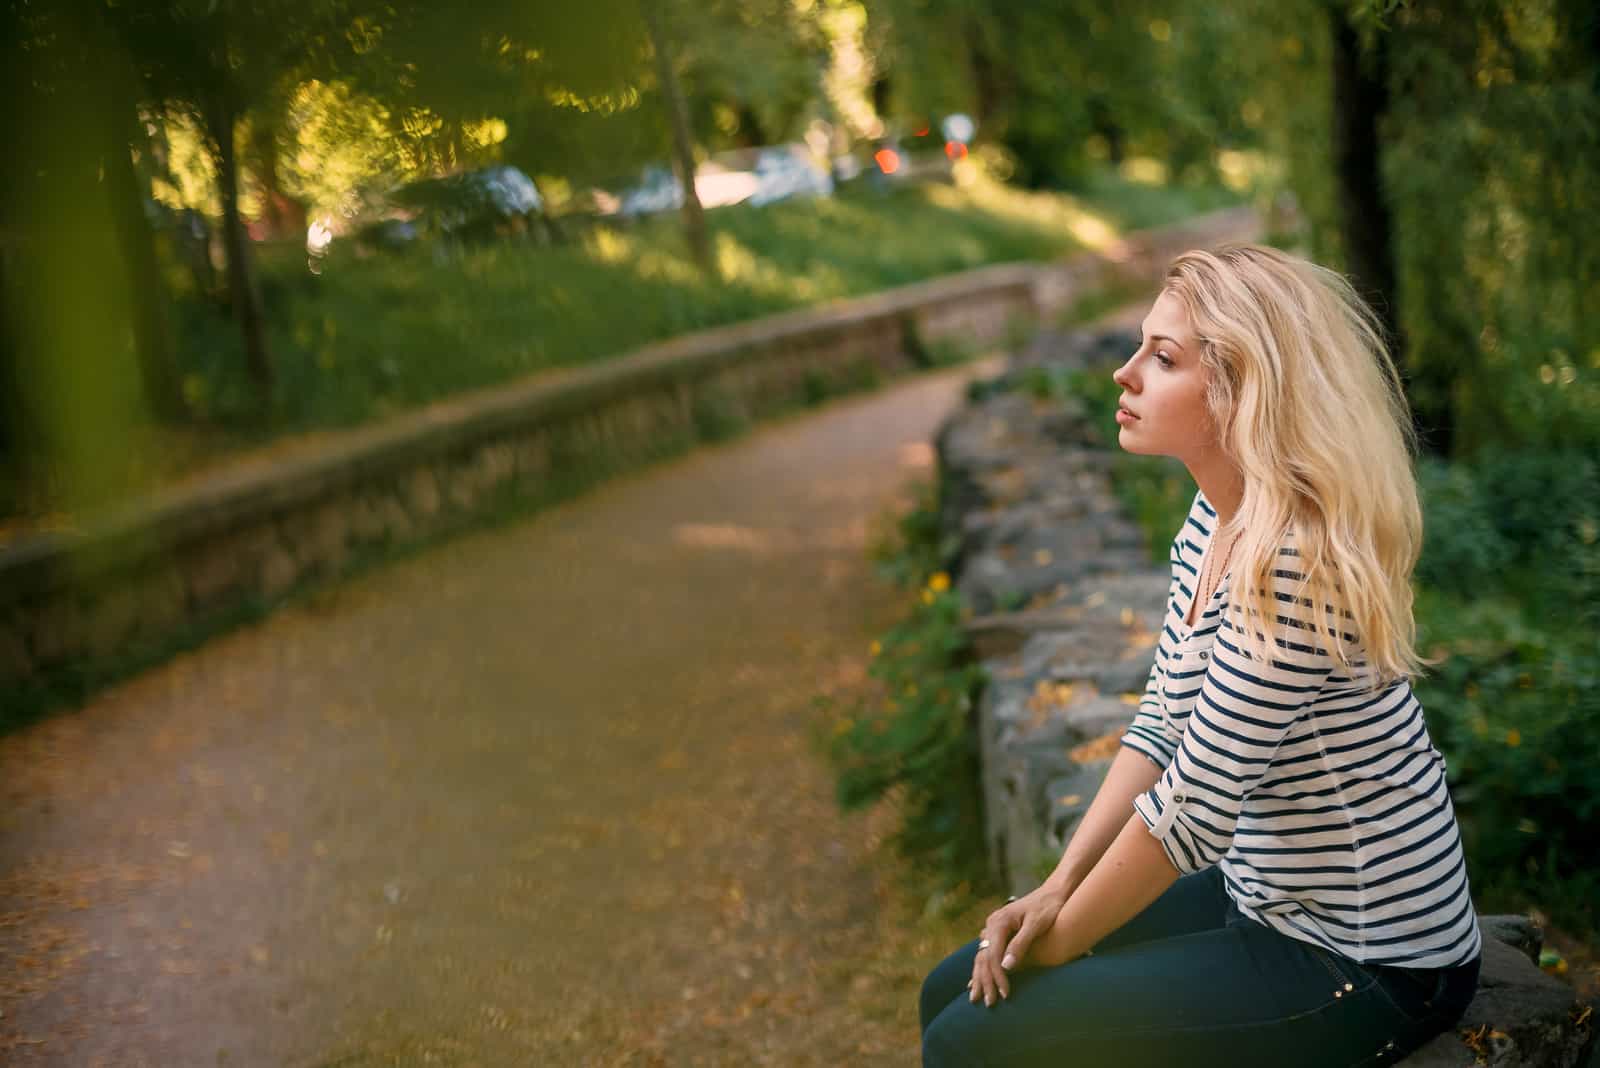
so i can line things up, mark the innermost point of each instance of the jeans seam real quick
(1428, 1018)
(1342, 976)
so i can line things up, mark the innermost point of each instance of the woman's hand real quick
(1010, 932)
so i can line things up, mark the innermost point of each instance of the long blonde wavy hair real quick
(1312, 410)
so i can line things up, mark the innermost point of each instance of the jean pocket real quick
(1348, 976)
(1414, 992)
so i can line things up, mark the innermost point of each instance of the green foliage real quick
(1523, 520)
(1516, 710)
(917, 550)
(1494, 170)
(367, 336)
(913, 738)
(1066, 84)
(1510, 577)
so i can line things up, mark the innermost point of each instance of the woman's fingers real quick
(988, 983)
(1008, 957)
(980, 975)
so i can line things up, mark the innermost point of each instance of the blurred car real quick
(659, 190)
(492, 202)
(738, 176)
(384, 234)
(784, 171)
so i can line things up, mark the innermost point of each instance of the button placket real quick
(1168, 814)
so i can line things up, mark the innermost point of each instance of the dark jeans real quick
(1191, 981)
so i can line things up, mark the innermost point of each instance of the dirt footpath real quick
(541, 796)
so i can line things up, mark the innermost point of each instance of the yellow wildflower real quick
(939, 582)
(1513, 737)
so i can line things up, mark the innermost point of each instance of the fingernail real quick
(974, 997)
(1004, 994)
(989, 1001)
(1008, 962)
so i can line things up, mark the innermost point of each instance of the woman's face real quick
(1163, 385)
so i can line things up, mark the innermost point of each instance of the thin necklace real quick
(1205, 595)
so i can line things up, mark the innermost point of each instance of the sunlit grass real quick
(369, 336)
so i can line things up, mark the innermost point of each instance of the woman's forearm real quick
(1130, 775)
(1134, 871)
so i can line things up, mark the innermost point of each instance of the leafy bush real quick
(913, 738)
(1510, 587)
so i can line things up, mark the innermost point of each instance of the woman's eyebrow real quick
(1159, 337)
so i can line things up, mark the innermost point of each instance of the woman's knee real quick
(965, 1034)
(947, 980)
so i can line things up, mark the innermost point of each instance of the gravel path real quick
(540, 796)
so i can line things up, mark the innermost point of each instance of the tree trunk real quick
(152, 337)
(286, 217)
(243, 292)
(1360, 100)
(694, 221)
(1106, 125)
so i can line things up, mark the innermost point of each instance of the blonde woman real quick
(1271, 873)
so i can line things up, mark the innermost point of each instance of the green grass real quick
(365, 337)
(369, 336)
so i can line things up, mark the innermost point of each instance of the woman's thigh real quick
(1195, 902)
(1234, 996)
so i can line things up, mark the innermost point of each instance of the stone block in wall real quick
(1519, 932)
(366, 515)
(533, 456)
(1521, 1017)
(461, 483)
(16, 664)
(219, 572)
(109, 619)
(1067, 798)
(317, 540)
(161, 597)
(279, 571)
(214, 571)
(398, 526)
(422, 495)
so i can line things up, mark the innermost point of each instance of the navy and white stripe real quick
(1325, 805)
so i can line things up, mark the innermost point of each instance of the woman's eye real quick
(1166, 361)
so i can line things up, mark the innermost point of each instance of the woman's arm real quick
(1134, 871)
(1130, 775)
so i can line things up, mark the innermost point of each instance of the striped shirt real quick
(1325, 806)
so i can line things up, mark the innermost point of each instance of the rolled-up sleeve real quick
(1240, 718)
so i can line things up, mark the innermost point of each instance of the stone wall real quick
(131, 586)
(1067, 607)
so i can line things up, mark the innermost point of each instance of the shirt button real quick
(1202, 654)
(1177, 797)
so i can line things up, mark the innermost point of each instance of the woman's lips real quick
(1125, 416)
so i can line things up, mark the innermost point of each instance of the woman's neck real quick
(1224, 490)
